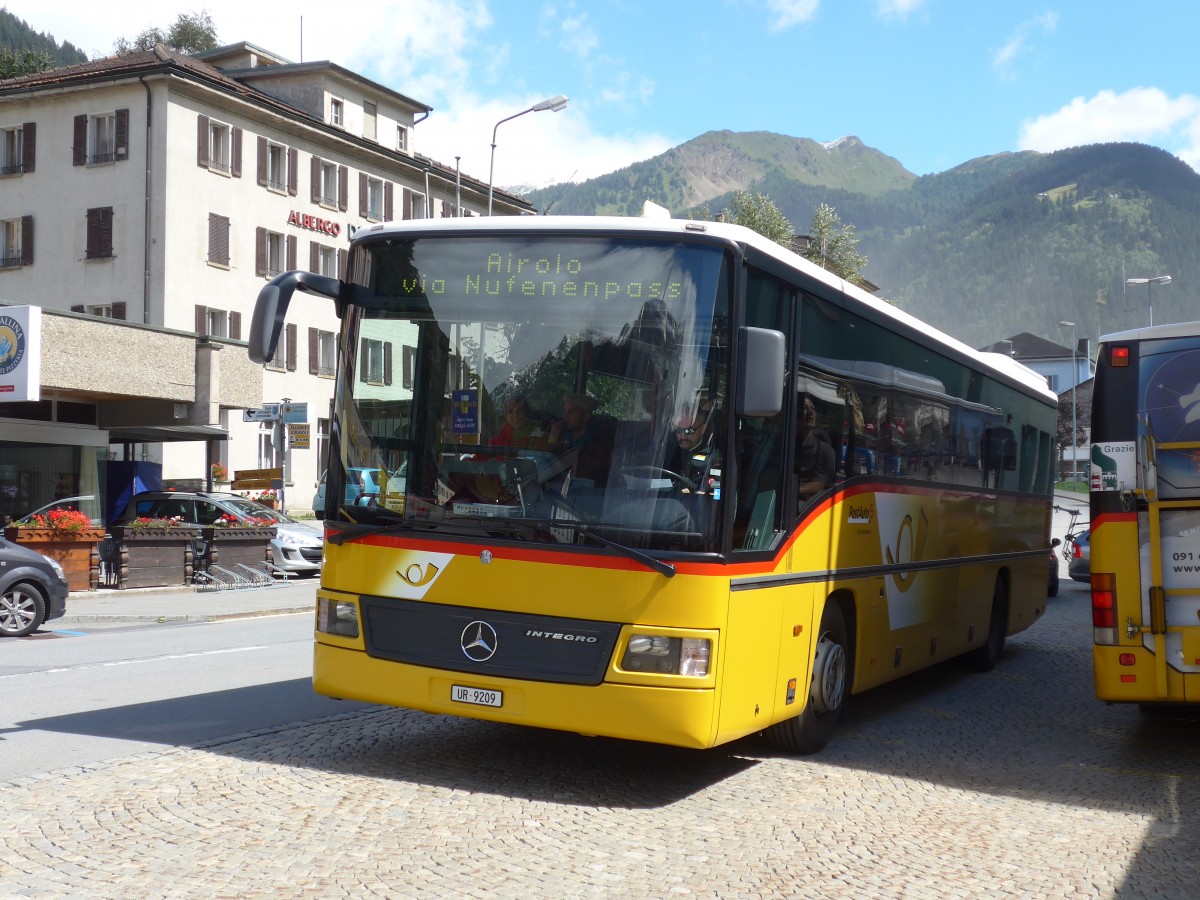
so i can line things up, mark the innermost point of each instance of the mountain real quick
(17, 36)
(1003, 244)
(720, 162)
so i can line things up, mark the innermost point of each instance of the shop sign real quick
(20, 353)
(314, 223)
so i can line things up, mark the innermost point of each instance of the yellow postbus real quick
(1145, 506)
(659, 480)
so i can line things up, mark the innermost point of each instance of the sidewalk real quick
(185, 604)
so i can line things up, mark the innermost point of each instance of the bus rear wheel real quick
(811, 730)
(984, 659)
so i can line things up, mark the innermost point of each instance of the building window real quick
(402, 138)
(374, 199)
(418, 206)
(100, 233)
(276, 248)
(218, 240)
(219, 153)
(98, 139)
(218, 323)
(12, 141)
(327, 261)
(329, 183)
(10, 253)
(322, 352)
(277, 174)
(336, 112)
(371, 364)
(369, 118)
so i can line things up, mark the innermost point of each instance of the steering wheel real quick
(678, 482)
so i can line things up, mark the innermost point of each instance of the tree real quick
(191, 33)
(834, 246)
(756, 212)
(27, 62)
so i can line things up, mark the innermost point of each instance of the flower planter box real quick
(78, 554)
(154, 557)
(229, 547)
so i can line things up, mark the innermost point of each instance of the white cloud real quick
(1140, 114)
(791, 12)
(1021, 42)
(897, 9)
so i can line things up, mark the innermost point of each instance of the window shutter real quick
(92, 250)
(235, 152)
(447, 210)
(341, 263)
(202, 141)
(343, 188)
(79, 142)
(316, 179)
(293, 180)
(292, 332)
(362, 360)
(122, 143)
(291, 252)
(262, 161)
(314, 256)
(362, 195)
(201, 320)
(106, 231)
(387, 201)
(27, 240)
(406, 361)
(387, 362)
(235, 326)
(29, 145)
(218, 239)
(260, 251)
(118, 310)
(406, 204)
(314, 351)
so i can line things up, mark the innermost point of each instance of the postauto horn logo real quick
(12, 344)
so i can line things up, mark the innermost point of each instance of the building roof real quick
(1026, 347)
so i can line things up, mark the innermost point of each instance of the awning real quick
(151, 434)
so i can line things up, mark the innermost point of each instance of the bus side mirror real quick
(759, 389)
(270, 309)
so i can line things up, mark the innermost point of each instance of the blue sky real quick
(932, 83)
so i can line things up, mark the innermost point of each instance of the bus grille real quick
(488, 642)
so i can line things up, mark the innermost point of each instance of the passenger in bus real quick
(815, 459)
(696, 453)
(522, 427)
(579, 430)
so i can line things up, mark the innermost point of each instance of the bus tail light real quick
(1127, 659)
(1104, 603)
(1119, 357)
(667, 655)
(337, 617)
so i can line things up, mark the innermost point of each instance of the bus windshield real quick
(536, 387)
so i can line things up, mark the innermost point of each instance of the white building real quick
(144, 200)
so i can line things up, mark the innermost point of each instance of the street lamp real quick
(1074, 407)
(554, 104)
(1150, 283)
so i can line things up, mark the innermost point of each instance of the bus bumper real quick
(676, 716)
(1139, 682)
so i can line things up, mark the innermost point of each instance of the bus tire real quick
(811, 730)
(984, 659)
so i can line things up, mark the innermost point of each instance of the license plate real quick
(476, 696)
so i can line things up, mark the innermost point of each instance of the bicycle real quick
(1068, 546)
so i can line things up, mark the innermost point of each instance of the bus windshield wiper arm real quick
(663, 568)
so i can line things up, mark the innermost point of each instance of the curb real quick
(102, 618)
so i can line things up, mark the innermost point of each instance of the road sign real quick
(290, 413)
(299, 436)
(268, 412)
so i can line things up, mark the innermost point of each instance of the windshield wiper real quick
(650, 562)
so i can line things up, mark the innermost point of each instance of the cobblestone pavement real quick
(950, 784)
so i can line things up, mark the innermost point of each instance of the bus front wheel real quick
(811, 730)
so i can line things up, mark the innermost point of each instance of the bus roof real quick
(1152, 332)
(1001, 366)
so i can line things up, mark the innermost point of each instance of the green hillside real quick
(999, 245)
(17, 37)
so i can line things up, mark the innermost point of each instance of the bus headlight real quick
(667, 655)
(337, 617)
